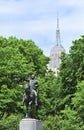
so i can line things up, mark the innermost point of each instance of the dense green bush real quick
(11, 122)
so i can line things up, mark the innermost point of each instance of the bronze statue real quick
(30, 97)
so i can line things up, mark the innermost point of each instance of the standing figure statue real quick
(30, 97)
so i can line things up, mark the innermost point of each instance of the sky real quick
(37, 20)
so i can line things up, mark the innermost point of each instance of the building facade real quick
(55, 52)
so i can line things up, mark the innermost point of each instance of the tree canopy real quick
(61, 102)
(20, 58)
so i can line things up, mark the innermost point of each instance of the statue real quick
(30, 97)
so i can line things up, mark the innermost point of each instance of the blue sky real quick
(36, 20)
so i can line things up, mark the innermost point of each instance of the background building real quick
(55, 52)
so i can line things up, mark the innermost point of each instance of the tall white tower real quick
(56, 52)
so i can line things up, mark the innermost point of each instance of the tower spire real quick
(58, 41)
(57, 21)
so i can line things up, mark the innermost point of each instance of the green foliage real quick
(71, 71)
(18, 59)
(10, 123)
(77, 56)
(73, 118)
(70, 120)
(78, 100)
(61, 103)
(10, 100)
(47, 89)
(52, 123)
(71, 87)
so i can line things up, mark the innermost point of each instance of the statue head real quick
(33, 76)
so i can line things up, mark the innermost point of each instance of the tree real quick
(71, 71)
(77, 101)
(60, 98)
(77, 57)
(11, 122)
(48, 95)
(18, 60)
(73, 117)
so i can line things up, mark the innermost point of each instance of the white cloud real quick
(37, 20)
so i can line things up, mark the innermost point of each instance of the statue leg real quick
(36, 97)
(36, 101)
(27, 113)
(23, 100)
(36, 105)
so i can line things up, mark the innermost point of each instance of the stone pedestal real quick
(30, 124)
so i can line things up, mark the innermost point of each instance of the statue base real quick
(30, 124)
